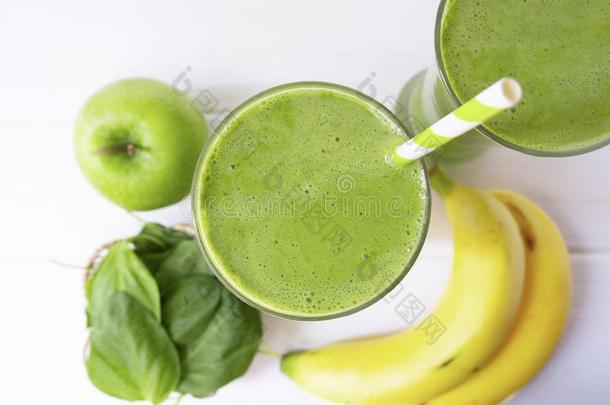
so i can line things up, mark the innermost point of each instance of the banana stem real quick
(269, 352)
(440, 182)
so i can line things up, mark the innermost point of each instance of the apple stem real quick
(129, 148)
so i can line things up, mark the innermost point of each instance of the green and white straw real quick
(503, 94)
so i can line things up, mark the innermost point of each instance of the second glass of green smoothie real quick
(558, 50)
(299, 208)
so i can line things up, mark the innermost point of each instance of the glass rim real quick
(440, 66)
(196, 206)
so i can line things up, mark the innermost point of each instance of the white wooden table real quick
(53, 54)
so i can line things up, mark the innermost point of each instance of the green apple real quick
(137, 141)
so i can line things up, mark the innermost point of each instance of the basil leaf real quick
(169, 254)
(217, 335)
(155, 242)
(184, 259)
(132, 357)
(188, 306)
(122, 270)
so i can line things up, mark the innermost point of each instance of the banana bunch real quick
(501, 316)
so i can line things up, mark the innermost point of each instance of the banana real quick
(542, 314)
(467, 327)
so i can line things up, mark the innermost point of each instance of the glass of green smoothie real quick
(299, 209)
(559, 52)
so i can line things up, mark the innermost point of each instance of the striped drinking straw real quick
(503, 94)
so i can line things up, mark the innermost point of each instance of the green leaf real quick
(155, 243)
(122, 270)
(217, 334)
(189, 304)
(132, 357)
(169, 254)
(184, 259)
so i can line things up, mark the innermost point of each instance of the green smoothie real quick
(559, 50)
(298, 206)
